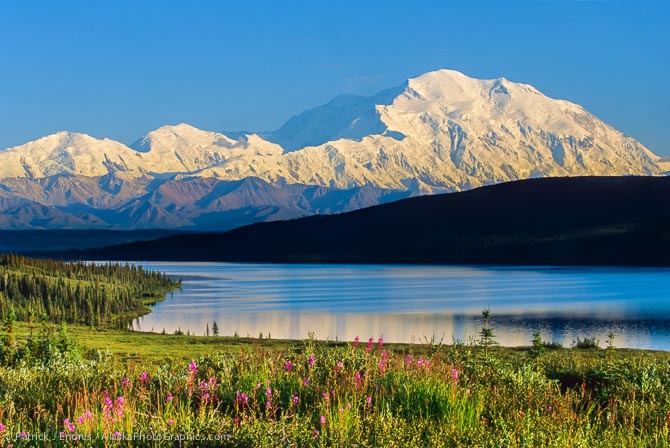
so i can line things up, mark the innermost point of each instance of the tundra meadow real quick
(312, 393)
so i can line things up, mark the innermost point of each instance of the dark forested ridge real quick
(81, 293)
(551, 221)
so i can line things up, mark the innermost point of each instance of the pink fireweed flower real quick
(315, 433)
(23, 435)
(369, 401)
(268, 404)
(322, 420)
(268, 392)
(380, 342)
(205, 396)
(3, 428)
(68, 425)
(170, 422)
(325, 396)
(371, 341)
(288, 366)
(241, 397)
(358, 377)
(382, 366)
(305, 381)
(295, 400)
(168, 398)
(125, 383)
(423, 363)
(116, 435)
(310, 361)
(85, 416)
(143, 377)
(454, 375)
(193, 366)
(348, 405)
(356, 341)
(340, 364)
(408, 360)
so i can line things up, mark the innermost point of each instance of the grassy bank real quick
(251, 392)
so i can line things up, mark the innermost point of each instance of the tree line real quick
(76, 292)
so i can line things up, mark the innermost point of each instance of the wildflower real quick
(305, 381)
(370, 342)
(168, 398)
(288, 366)
(258, 386)
(315, 433)
(23, 435)
(369, 401)
(408, 360)
(356, 340)
(143, 377)
(193, 366)
(341, 410)
(116, 435)
(550, 408)
(348, 405)
(340, 364)
(68, 425)
(268, 404)
(268, 392)
(2, 428)
(120, 401)
(170, 422)
(310, 361)
(241, 397)
(205, 396)
(322, 420)
(382, 366)
(203, 386)
(454, 375)
(125, 383)
(85, 416)
(295, 399)
(325, 396)
(380, 342)
(358, 377)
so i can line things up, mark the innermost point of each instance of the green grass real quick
(332, 394)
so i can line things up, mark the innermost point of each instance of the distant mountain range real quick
(555, 221)
(439, 132)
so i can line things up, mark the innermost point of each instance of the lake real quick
(408, 303)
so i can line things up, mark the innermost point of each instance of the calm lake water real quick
(415, 303)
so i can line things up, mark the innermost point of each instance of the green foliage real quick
(586, 343)
(312, 393)
(80, 293)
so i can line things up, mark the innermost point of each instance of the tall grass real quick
(354, 395)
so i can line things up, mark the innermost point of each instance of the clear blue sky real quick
(119, 69)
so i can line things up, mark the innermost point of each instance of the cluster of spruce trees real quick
(80, 293)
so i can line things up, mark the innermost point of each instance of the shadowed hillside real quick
(553, 221)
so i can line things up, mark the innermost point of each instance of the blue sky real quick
(119, 69)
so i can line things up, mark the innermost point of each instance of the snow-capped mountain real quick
(441, 131)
